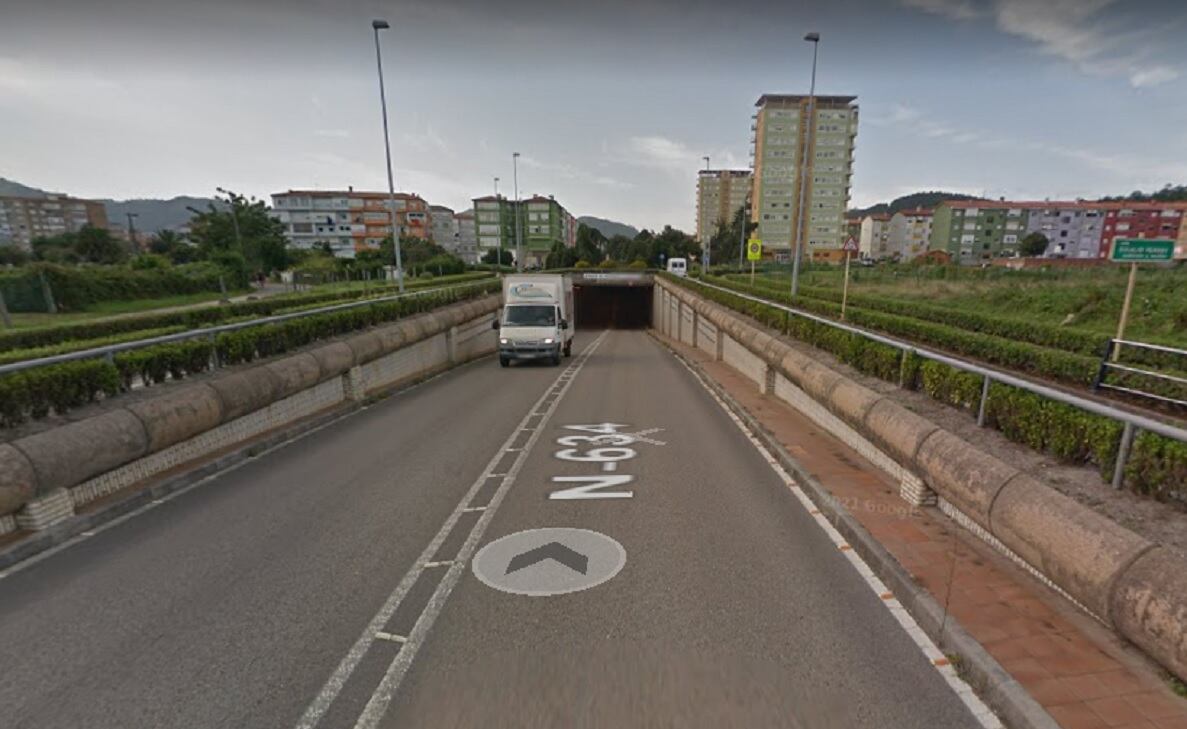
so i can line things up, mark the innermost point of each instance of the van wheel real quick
(556, 359)
(504, 361)
(569, 348)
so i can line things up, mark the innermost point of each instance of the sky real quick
(611, 104)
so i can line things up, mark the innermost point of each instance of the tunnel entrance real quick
(612, 300)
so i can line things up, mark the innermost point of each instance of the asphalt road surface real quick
(331, 582)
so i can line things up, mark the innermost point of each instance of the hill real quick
(915, 200)
(9, 188)
(609, 228)
(154, 215)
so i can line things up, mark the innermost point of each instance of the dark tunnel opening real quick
(612, 307)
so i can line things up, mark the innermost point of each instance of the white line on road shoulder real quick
(378, 703)
(935, 657)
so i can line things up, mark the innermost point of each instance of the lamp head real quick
(380, 24)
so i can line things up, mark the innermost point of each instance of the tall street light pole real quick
(499, 213)
(814, 39)
(378, 25)
(517, 211)
(708, 235)
(132, 229)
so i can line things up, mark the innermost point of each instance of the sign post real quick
(753, 253)
(850, 247)
(1134, 251)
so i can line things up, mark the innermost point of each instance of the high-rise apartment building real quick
(542, 223)
(785, 142)
(24, 218)
(348, 221)
(720, 194)
(467, 237)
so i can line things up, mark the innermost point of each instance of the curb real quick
(997, 688)
(140, 496)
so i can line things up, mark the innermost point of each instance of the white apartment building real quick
(909, 234)
(874, 243)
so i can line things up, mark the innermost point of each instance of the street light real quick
(516, 210)
(708, 235)
(814, 39)
(132, 229)
(378, 25)
(499, 213)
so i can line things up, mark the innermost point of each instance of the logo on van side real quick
(530, 291)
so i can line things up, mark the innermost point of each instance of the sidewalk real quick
(1083, 675)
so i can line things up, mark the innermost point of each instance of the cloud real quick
(955, 9)
(1073, 31)
(332, 133)
(1129, 167)
(571, 172)
(676, 157)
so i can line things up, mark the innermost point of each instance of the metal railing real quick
(1108, 362)
(109, 351)
(1132, 422)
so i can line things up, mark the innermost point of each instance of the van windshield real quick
(530, 316)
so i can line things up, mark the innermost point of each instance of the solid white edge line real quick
(333, 686)
(377, 705)
(931, 652)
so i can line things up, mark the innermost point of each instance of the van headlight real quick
(504, 340)
(550, 340)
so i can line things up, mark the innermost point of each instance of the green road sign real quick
(754, 249)
(1135, 250)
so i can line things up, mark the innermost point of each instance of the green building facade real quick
(976, 231)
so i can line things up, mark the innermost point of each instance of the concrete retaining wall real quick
(97, 456)
(1131, 584)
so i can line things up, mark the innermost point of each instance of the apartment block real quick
(977, 230)
(720, 195)
(1073, 230)
(24, 218)
(1143, 220)
(781, 152)
(348, 221)
(542, 223)
(467, 237)
(973, 231)
(874, 239)
(909, 234)
(442, 226)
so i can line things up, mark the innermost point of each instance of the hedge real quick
(1157, 466)
(76, 287)
(1023, 356)
(193, 318)
(59, 388)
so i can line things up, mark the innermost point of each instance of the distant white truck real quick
(537, 318)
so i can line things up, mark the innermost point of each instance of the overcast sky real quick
(612, 103)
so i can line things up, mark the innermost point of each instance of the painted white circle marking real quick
(552, 561)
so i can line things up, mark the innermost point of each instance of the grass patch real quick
(115, 308)
(1178, 686)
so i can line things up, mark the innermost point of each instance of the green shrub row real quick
(33, 394)
(1157, 466)
(19, 355)
(194, 318)
(1070, 340)
(1043, 361)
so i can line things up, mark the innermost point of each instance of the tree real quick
(10, 255)
(97, 245)
(492, 256)
(1034, 244)
(241, 225)
(726, 241)
(590, 245)
(561, 256)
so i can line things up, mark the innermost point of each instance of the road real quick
(293, 591)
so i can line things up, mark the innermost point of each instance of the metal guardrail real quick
(1132, 421)
(109, 351)
(1109, 362)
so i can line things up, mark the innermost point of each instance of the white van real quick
(537, 318)
(678, 266)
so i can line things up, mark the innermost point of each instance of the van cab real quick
(678, 266)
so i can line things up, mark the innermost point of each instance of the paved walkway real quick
(1083, 675)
